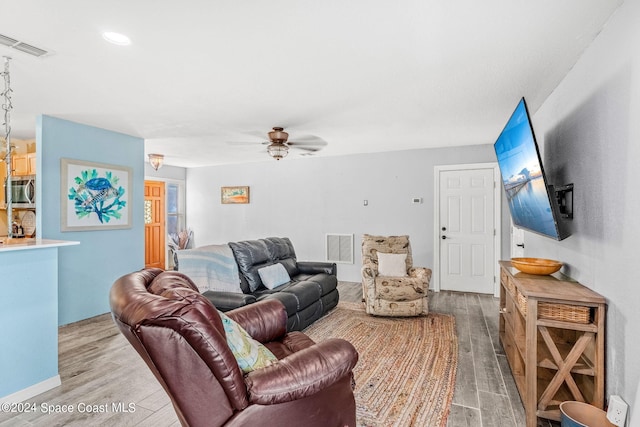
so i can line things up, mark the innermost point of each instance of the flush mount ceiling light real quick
(116, 38)
(156, 161)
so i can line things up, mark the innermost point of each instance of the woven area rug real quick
(407, 368)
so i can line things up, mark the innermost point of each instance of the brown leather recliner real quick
(180, 336)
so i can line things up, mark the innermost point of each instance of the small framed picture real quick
(234, 195)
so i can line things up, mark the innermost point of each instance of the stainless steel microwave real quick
(23, 191)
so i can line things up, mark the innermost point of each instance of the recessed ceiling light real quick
(116, 38)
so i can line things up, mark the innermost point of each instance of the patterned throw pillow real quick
(249, 353)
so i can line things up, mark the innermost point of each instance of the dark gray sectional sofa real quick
(311, 292)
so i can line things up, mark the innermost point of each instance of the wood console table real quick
(552, 332)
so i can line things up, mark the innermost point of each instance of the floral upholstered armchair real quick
(391, 285)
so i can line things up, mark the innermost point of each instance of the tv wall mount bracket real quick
(564, 197)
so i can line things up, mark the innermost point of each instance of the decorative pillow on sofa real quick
(249, 353)
(274, 275)
(393, 265)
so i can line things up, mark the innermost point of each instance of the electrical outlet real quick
(617, 411)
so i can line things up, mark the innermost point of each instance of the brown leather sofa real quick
(180, 336)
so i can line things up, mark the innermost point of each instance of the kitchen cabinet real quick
(31, 163)
(23, 164)
(552, 330)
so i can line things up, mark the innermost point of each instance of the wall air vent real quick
(340, 248)
(7, 41)
(21, 46)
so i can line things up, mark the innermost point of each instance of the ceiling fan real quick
(278, 145)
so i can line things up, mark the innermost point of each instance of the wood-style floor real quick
(102, 374)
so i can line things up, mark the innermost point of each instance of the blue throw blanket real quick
(212, 268)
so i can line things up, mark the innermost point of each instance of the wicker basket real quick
(554, 311)
(511, 286)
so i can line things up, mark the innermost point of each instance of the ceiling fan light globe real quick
(278, 150)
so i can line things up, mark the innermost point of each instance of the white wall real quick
(305, 198)
(589, 132)
(165, 172)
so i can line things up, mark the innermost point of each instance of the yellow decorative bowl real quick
(539, 266)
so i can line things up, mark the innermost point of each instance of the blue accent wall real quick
(28, 309)
(87, 271)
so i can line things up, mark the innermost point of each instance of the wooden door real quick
(154, 226)
(467, 231)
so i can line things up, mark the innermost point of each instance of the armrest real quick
(368, 272)
(421, 273)
(225, 301)
(303, 373)
(313, 267)
(265, 320)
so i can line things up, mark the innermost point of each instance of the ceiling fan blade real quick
(306, 148)
(245, 142)
(256, 133)
(309, 140)
(307, 144)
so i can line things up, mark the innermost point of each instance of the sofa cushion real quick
(327, 282)
(281, 250)
(307, 293)
(289, 301)
(273, 275)
(249, 353)
(251, 255)
(304, 294)
(290, 265)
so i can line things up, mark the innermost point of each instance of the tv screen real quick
(531, 201)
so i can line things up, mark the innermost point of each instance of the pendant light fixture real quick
(156, 161)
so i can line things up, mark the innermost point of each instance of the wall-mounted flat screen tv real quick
(531, 200)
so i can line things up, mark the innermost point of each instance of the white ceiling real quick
(364, 75)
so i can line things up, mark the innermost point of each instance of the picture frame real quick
(94, 196)
(234, 195)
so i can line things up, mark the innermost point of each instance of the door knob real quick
(444, 237)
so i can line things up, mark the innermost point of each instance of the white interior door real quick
(467, 230)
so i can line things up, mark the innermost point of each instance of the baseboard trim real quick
(34, 390)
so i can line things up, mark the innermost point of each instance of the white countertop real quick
(28, 244)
